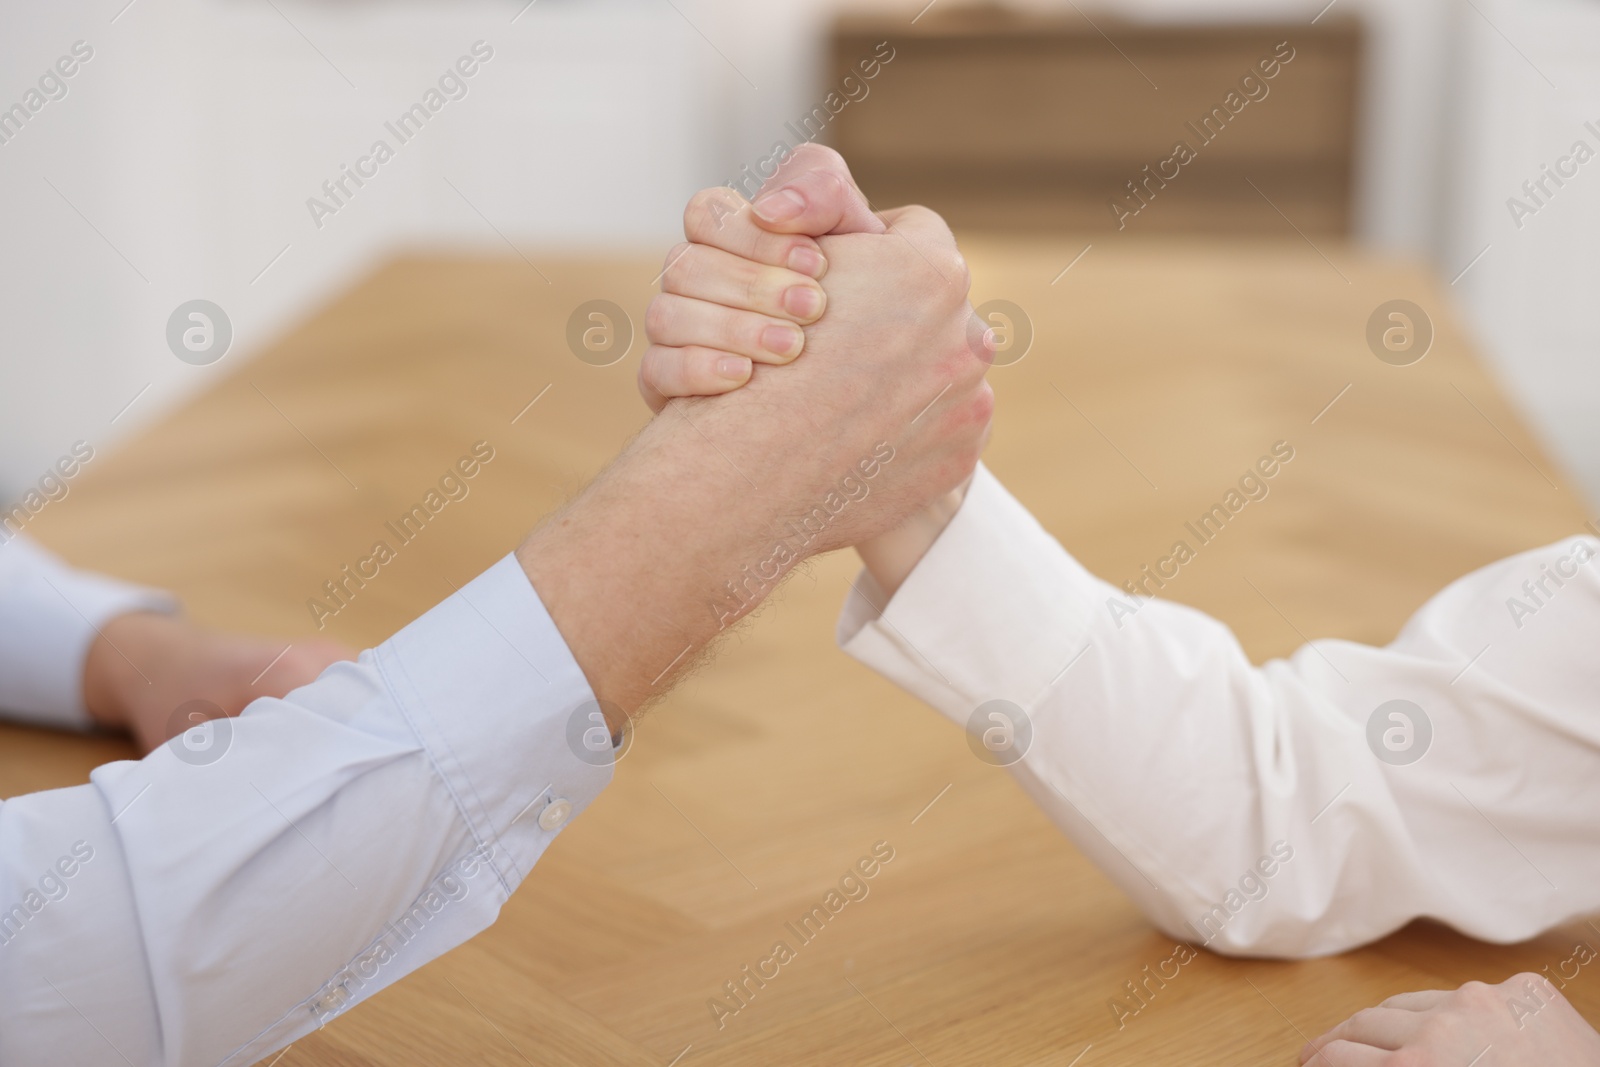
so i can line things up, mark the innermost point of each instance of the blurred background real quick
(181, 157)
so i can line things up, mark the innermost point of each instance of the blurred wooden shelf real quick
(1033, 123)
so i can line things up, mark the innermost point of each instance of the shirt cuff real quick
(490, 688)
(996, 597)
(50, 615)
(486, 685)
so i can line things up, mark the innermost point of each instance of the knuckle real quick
(707, 209)
(650, 366)
(983, 404)
(831, 185)
(1526, 980)
(961, 274)
(830, 156)
(673, 267)
(697, 372)
(645, 384)
(678, 376)
(665, 373)
(748, 330)
(759, 288)
(696, 211)
(819, 156)
(657, 316)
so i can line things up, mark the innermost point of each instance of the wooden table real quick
(989, 940)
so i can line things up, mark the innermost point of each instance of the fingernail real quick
(808, 261)
(802, 300)
(780, 206)
(782, 340)
(733, 368)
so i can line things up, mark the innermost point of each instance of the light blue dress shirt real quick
(251, 880)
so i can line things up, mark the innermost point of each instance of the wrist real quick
(109, 670)
(890, 558)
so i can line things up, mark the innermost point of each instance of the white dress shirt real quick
(1247, 807)
(250, 880)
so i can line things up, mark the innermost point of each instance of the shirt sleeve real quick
(49, 616)
(251, 880)
(1298, 808)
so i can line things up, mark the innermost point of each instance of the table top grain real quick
(1158, 373)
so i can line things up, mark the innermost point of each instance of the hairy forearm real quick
(634, 571)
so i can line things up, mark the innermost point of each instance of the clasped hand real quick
(877, 304)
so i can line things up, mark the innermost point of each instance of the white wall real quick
(196, 133)
(1532, 296)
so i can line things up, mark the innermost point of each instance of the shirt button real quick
(555, 814)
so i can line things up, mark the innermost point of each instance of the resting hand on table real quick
(738, 292)
(144, 666)
(1522, 1022)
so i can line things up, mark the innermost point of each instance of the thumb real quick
(814, 194)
